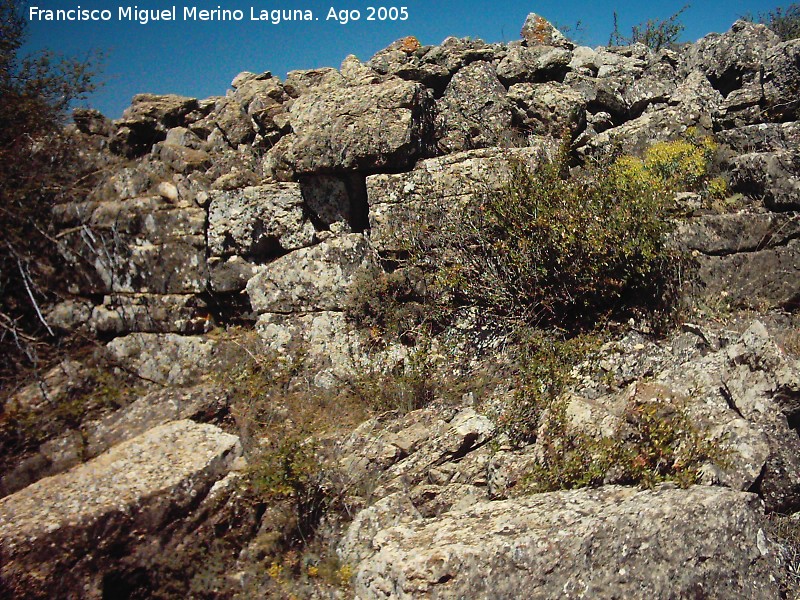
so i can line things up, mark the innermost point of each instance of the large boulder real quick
(732, 233)
(258, 222)
(611, 542)
(734, 64)
(692, 104)
(537, 64)
(166, 359)
(120, 314)
(733, 60)
(547, 108)
(324, 338)
(73, 527)
(474, 111)
(773, 176)
(312, 279)
(760, 279)
(782, 81)
(359, 128)
(538, 31)
(433, 66)
(762, 137)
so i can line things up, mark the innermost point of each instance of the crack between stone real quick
(752, 250)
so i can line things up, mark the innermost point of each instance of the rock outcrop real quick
(606, 543)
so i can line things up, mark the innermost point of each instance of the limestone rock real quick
(336, 203)
(391, 511)
(727, 234)
(397, 59)
(764, 137)
(773, 176)
(609, 542)
(547, 108)
(765, 278)
(434, 66)
(92, 122)
(365, 127)
(258, 222)
(536, 64)
(732, 60)
(782, 81)
(311, 279)
(537, 31)
(68, 526)
(764, 385)
(397, 202)
(691, 105)
(307, 81)
(437, 457)
(181, 159)
(357, 73)
(229, 274)
(656, 85)
(147, 120)
(145, 245)
(69, 315)
(167, 359)
(52, 387)
(232, 120)
(324, 336)
(201, 404)
(474, 111)
(151, 313)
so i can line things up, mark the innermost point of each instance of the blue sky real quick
(200, 58)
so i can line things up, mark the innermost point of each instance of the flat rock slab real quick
(360, 128)
(612, 542)
(63, 528)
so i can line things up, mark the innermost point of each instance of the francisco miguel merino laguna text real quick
(190, 13)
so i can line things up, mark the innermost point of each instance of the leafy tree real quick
(652, 33)
(39, 166)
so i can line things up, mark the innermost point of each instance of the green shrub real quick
(682, 165)
(542, 365)
(291, 469)
(389, 305)
(656, 441)
(40, 165)
(653, 34)
(554, 249)
(785, 21)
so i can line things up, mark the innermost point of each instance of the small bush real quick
(541, 374)
(785, 530)
(408, 384)
(785, 21)
(561, 250)
(292, 470)
(682, 165)
(656, 441)
(653, 34)
(389, 305)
